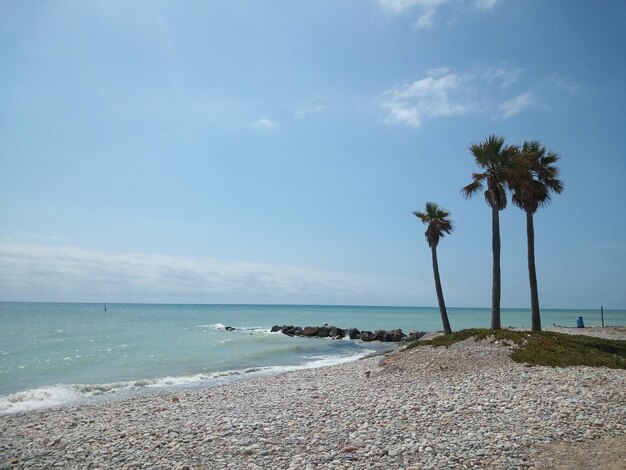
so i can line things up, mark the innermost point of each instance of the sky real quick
(273, 152)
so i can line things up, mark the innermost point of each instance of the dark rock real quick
(310, 331)
(229, 328)
(288, 330)
(380, 335)
(414, 335)
(338, 333)
(367, 336)
(394, 335)
(323, 331)
(334, 331)
(353, 333)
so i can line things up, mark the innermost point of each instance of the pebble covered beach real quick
(466, 406)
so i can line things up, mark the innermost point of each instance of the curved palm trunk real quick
(495, 289)
(532, 274)
(442, 304)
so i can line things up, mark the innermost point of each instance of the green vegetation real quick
(546, 348)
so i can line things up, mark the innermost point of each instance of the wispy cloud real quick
(66, 273)
(264, 123)
(426, 98)
(402, 6)
(319, 104)
(559, 83)
(484, 4)
(426, 19)
(446, 93)
(427, 10)
(517, 105)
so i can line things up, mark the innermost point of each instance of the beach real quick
(466, 406)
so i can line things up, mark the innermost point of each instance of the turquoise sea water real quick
(56, 353)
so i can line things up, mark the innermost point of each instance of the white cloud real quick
(429, 97)
(560, 83)
(445, 93)
(499, 76)
(264, 123)
(428, 9)
(484, 4)
(319, 104)
(425, 20)
(66, 273)
(517, 105)
(401, 6)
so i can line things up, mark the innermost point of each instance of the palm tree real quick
(496, 160)
(536, 179)
(438, 225)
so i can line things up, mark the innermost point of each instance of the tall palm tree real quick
(438, 225)
(496, 161)
(536, 179)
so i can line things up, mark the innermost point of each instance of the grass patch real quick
(546, 348)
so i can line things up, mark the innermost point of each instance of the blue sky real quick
(272, 152)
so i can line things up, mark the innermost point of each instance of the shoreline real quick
(62, 395)
(465, 406)
(84, 394)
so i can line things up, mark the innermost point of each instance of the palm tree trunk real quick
(442, 304)
(496, 286)
(532, 274)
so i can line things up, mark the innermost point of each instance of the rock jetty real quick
(334, 332)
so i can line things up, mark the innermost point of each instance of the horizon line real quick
(272, 304)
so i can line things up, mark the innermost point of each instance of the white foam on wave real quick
(61, 394)
(317, 362)
(43, 397)
(241, 329)
(339, 359)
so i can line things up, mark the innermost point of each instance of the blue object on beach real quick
(580, 323)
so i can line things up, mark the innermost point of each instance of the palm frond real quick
(498, 160)
(471, 189)
(536, 176)
(421, 215)
(438, 222)
(486, 152)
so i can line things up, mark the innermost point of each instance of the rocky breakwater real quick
(334, 332)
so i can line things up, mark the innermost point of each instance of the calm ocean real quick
(57, 353)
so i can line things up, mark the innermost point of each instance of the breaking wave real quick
(68, 394)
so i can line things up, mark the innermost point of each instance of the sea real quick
(55, 354)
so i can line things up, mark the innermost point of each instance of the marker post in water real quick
(602, 315)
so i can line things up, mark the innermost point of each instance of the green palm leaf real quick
(438, 223)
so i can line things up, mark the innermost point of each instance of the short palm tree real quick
(496, 160)
(438, 225)
(536, 179)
